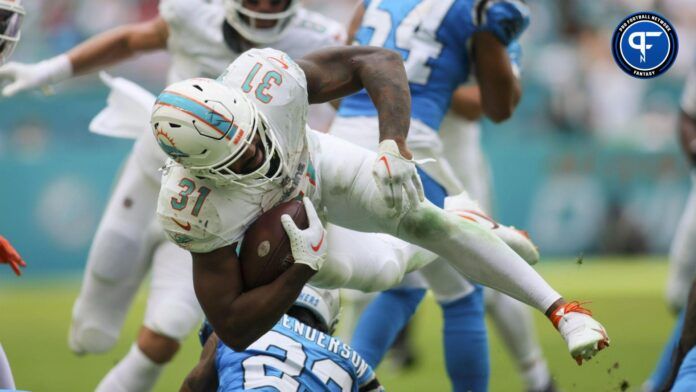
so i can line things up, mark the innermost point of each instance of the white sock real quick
(135, 372)
(6, 380)
(515, 325)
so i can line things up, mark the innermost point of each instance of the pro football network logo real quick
(645, 45)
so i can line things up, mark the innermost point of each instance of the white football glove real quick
(395, 175)
(22, 77)
(308, 246)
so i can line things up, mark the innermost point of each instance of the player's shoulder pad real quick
(506, 19)
(269, 58)
(177, 11)
(188, 212)
(320, 29)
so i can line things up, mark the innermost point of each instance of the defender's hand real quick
(8, 255)
(22, 77)
(395, 175)
(308, 246)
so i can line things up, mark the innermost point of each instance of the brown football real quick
(265, 251)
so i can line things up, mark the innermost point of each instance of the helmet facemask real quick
(11, 17)
(272, 160)
(245, 21)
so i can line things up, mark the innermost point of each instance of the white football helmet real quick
(11, 16)
(206, 126)
(324, 304)
(245, 21)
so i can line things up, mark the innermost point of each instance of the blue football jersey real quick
(433, 37)
(292, 357)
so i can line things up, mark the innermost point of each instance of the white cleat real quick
(584, 335)
(517, 240)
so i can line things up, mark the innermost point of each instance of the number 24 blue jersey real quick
(433, 37)
(292, 357)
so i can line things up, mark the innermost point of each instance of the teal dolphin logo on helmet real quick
(167, 145)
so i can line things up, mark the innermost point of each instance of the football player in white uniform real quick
(299, 353)
(203, 37)
(240, 146)
(11, 17)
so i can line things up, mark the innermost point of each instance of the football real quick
(265, 251)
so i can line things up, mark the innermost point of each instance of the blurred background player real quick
(203, 38)
(11, 16)
(434, 42)
(682, 257)
(299, 352)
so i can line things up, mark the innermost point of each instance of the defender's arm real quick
(239, 318)
(203, 377)
(98, 52)
(339, 71)
(466, 102)
(500, 88)
(118, 44)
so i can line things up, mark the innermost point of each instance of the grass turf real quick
(626, 296)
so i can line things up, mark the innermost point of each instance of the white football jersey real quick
(202, 216)
(199, 50)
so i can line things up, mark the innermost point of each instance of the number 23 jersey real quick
(292, 357)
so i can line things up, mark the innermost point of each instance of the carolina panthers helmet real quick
(206, 126)
(11, 16)
(324, 304)
(245, 21)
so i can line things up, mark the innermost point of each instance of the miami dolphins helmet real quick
(206, 126)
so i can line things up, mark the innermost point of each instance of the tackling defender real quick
(298, 353)
(203, 37)
(240, 146)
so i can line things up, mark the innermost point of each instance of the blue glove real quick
(506, 19)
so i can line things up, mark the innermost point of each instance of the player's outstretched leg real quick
(353, 200)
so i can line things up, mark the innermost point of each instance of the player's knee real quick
(159, 348)
(426, 223)
(387, 277)
(91, 340)
(174, 320)
(114, 256)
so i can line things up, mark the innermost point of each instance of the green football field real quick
(626, 295)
